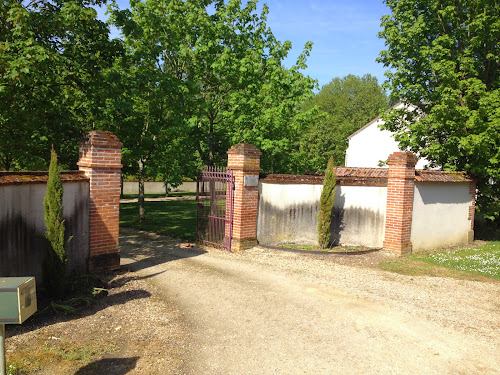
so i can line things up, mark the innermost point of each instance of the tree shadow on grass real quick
(109, 366)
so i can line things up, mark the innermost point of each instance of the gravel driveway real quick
(271, 312)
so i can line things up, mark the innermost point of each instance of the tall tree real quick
(52, 54)
(54, 265)
(326, 203)
(444, 57)
(345, 104)
(210, 72)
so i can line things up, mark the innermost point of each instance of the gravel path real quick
(272, 312)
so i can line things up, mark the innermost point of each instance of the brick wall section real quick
(244, 160)
(400, 189)
(100, 160)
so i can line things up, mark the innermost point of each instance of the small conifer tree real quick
(54, 268)
(326, 203)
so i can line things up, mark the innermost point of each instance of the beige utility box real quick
(17, 299)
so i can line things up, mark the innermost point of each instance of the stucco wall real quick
(22, 227)
(153, 187)
(440, 215)
(288, 214)
(359, 215)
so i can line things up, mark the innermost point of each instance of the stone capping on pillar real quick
(100, 160)
(244, 160)
(400, 190)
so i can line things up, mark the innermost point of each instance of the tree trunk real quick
(142, 214)
(121, 186)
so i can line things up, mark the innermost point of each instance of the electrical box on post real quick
(17, 299)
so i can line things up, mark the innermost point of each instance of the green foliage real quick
(483, 261)
(200, 76)
(326, 203)
(444, 58)
(345, 105)
(54, 266)
(51, 58)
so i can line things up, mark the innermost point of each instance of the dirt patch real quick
(129, 331)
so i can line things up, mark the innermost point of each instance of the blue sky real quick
(344, 34)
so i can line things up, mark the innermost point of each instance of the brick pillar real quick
(400, 185)
(100, 159)
(244, 161)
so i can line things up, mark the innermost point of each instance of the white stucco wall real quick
(155, 187)
(288, 214)
(359, 215)
(440, 215)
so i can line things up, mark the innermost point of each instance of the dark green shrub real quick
(326, 204)
(54, 266)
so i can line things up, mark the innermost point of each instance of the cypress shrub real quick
(326, 204)
(54, 267)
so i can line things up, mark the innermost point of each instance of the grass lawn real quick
(475, 263)
(176, 219)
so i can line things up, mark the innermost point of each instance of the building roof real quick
(373, 121)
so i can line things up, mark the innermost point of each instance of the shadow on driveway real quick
(141, 249)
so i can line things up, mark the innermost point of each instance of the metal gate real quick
(214, 198)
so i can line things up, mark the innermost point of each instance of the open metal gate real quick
(214, 197)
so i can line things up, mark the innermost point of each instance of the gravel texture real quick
(267, 311)
(191, 310)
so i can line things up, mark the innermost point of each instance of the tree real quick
(345, 104)
(51, 59)
(209, 72)
(326, 202)
(444, 57)
(54, 267)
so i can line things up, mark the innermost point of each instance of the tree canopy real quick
(217, 69)
(345, 104)
(52, 54)
(444, 57)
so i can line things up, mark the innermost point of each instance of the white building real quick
(371, 145)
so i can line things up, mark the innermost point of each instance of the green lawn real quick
(483, 260)
(474, 263)
(171, 218)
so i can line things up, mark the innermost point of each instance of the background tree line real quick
(189, 78)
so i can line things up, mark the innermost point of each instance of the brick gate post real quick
(100, 160)
(399, 207)
(244, 161)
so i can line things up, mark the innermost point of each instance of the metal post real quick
(3, 364)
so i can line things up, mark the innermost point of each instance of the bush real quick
(326, 203)
(54, 265)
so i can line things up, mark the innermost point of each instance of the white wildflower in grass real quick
(484, 260)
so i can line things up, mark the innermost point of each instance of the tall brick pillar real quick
(100, 159)
(400, 185)
(244, 161)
